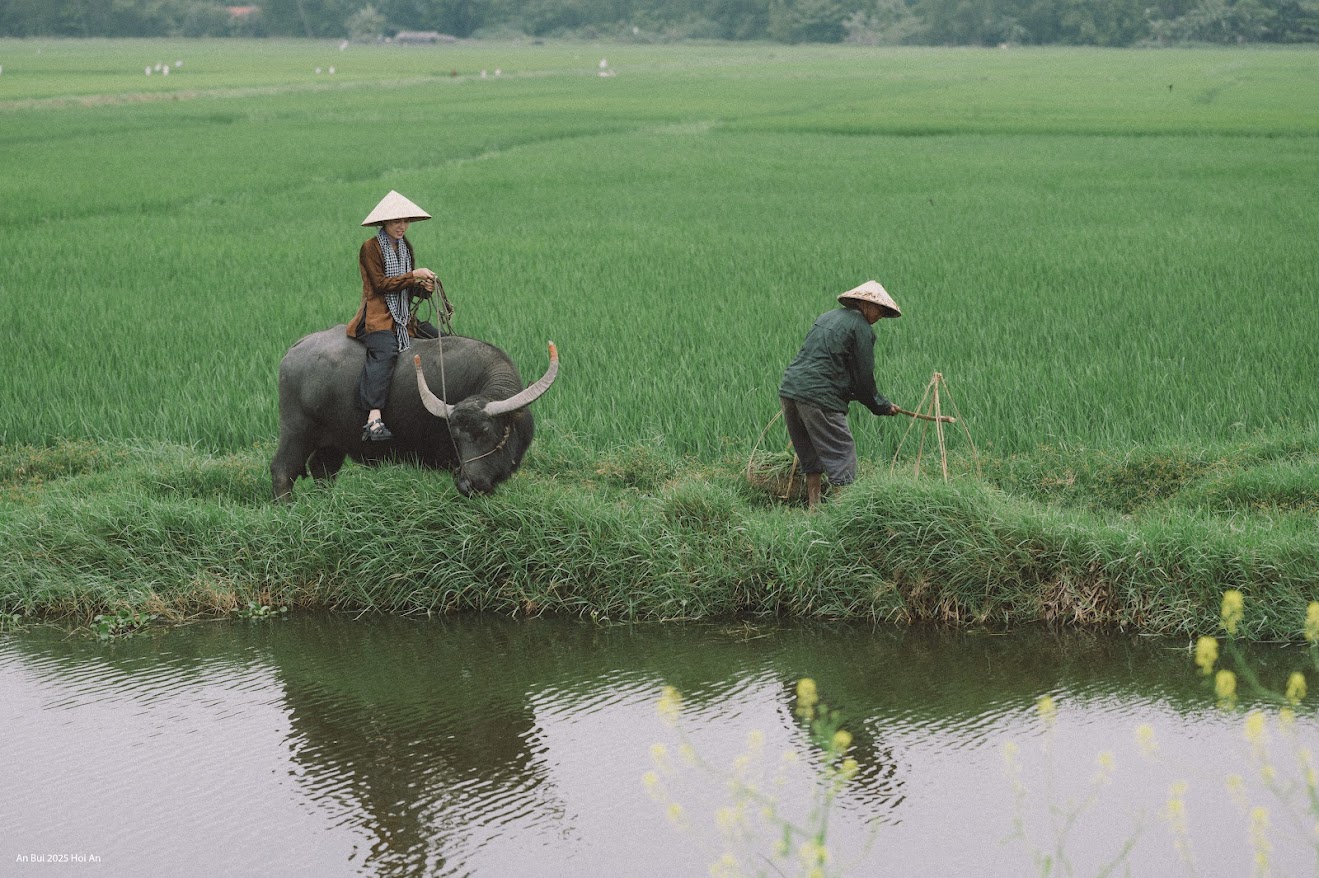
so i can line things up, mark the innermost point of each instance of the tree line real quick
(872, 22)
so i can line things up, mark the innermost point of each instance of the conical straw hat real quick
(394, 207)
(871, 291)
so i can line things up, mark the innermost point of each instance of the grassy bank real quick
(90, 529)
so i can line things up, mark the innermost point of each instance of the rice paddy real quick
(1109, 255)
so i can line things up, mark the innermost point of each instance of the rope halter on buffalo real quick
(930, 412)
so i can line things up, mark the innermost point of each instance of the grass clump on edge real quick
(177, 533)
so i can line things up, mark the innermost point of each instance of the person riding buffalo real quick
(384, 321)
(834, 366)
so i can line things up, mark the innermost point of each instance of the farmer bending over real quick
(384, 322)
(834, 366)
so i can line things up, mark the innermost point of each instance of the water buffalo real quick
(481, 437)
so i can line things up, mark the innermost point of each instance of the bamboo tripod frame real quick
(930, 412)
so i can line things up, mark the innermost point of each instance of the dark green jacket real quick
(836, 364)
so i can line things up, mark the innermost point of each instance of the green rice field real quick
(1109, 255)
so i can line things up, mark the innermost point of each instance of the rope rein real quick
(446, 328)
(508, 431)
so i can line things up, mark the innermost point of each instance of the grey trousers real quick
(378, 370)
(822, 440)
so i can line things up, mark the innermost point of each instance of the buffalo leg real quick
(325, 463)
(288, 463)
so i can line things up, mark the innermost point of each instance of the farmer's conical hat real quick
(871, 291)
(394, 207)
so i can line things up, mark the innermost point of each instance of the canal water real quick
(327, 745)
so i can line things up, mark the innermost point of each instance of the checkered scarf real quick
(397, 264)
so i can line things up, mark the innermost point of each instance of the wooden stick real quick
(943, 419)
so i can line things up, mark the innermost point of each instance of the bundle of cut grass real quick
(777, 476)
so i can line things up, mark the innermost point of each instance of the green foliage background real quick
(869, 22)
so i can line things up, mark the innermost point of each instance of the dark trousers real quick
(822, 440)
(378, 370)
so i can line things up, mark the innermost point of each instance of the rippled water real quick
(324, 745)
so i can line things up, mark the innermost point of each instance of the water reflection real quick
(489, 746)
(419, 733)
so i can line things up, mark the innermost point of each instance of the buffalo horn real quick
(527, 396)
(436, 406)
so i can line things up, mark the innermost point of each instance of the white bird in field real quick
(604, 62)
(148, 71)
(331, 71)
(498, 72)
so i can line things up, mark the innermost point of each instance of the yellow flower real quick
(1296, 687)
(1312, 622)
(670, 704)
(726, 866)
(1206, 654)
(1106, 762)
(850, 768)
(659, 754)
(1233, 610)
(813, 853)
(1236, 788)
(1176, 809)
(1306, 758)
(676, 815)
(1255, 728)
(728, 819)
(1259, 839)
(1145, 739)
(807, 698)
(1177, 792)
(1175, 814)
(1225, 686)
(1047, 708)
(842, 740)
(651, 781)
